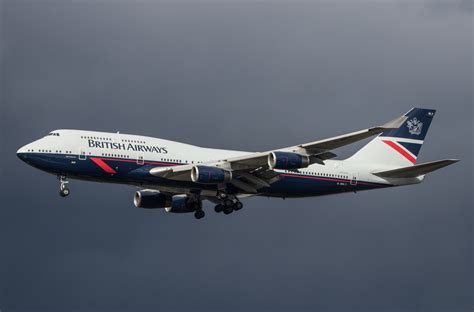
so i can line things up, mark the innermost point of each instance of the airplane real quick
(179, 177)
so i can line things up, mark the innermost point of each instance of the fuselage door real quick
(82, 154)
(354, 178)
(140, 159)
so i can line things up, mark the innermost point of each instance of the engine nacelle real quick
(182, 204)
(151, 199)
(286, 160)
(210, 175)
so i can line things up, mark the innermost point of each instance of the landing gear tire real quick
(228, 210)
(238, 205)
(63, 189)
(64, 192)
(228, 202)
(199, 214)
(218, 208)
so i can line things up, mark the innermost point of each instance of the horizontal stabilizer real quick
(417, 170)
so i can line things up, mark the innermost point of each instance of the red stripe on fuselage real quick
(400, 150)
(145, 162)
(99, 162)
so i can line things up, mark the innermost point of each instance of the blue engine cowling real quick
(151, 199)
(286, 160)
(182, 204)
(210, 175)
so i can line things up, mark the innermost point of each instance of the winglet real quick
(395, 123)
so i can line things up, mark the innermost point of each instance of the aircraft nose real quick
(21, 153)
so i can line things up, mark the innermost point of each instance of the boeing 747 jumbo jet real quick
(179, 177)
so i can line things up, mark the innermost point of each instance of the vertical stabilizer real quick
(398, 147)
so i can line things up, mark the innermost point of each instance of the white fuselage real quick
(113, 155)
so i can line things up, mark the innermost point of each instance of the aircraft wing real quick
(252, 171)
(346, 139)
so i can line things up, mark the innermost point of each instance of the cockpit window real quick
(54, 133)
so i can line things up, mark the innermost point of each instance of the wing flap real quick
(417, 170)
(254, 180)
(244, 186)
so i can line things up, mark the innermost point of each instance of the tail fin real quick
(398, 147)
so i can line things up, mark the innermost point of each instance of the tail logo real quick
(414, 126)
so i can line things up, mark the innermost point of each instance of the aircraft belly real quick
(128, 171)
(298, 186)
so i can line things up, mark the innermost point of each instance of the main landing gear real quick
(199, 214)
(63, 189)
(228, 205)
(197, 208)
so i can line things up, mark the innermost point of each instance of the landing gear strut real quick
(198, 212)
(63, 189)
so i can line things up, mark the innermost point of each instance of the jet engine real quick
(150, 199)
(182, 204)
(210, 175)
(286, 160)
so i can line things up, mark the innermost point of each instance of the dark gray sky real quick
(237, 75)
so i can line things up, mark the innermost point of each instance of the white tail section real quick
(398, 147)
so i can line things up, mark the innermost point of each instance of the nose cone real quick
(22, 153)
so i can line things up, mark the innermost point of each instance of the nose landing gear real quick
(63, 189)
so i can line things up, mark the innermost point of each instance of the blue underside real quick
(128, 171)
